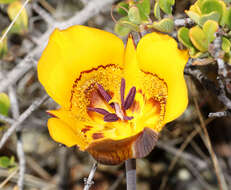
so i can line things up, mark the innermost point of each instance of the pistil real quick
(119, 112)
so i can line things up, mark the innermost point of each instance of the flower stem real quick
(130, 166)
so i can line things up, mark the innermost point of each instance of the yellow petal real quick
(158, 54)
(72, 51)
(131, 67)
(61, 132)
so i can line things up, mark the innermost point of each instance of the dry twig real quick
(89, 181)
(22, 117)
(20, 151)
(218, 170)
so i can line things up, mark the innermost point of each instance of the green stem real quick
(130, 166)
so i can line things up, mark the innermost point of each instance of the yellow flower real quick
(114, 100)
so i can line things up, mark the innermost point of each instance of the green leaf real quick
(4, 104)
(228, 18)
(21, 24)
(124, 26)
(193, 52)
(165, 25)
(209, 28)
(196, 54)
(6, 1)
(211, 16)
(144, 8)
(166, 6)
(200, 55)
(4, 162)
(134, 15)
(209, 6)
(195, 8)
(157, 11)
(199, 3)
(198, 38)
(183, 37)
(226, 44)
(194, 16)
(122, 7)
(121, 30)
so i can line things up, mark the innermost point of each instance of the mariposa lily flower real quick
(114, 99)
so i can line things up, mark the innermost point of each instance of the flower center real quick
(101, 99)
(120, 110)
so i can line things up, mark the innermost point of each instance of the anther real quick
(128, 118)
(98, 110)
(111, 117)
(122, 90)
(104, 93)
(130, 98)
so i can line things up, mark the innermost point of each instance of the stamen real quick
(98, 110)
(128, 118)
(119, 110)
(122, 90)
(110, 117)
(130, 98)
(104, 93)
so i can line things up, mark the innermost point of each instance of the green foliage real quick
(3, 48)
(6, 162)
(201, 37)
(122, 7)
(6, 1)
(157, 11)
(226, 44)
(204, 10)
(121, 27)
(4, 104)
(183, 36)
(210, 16)
(137, 13)
(209, 28)
(134, 15)
(194, 16)
(193, 52)
(166, 5)
(228, 18)
(21, 24)
(198, 38)
(144, 9)
(165, 25)
(209, 6)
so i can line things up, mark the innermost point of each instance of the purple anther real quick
(98, 110)
(110, 117)
(104, 93)
(130, 98)
(128, 118)
(122, 90)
